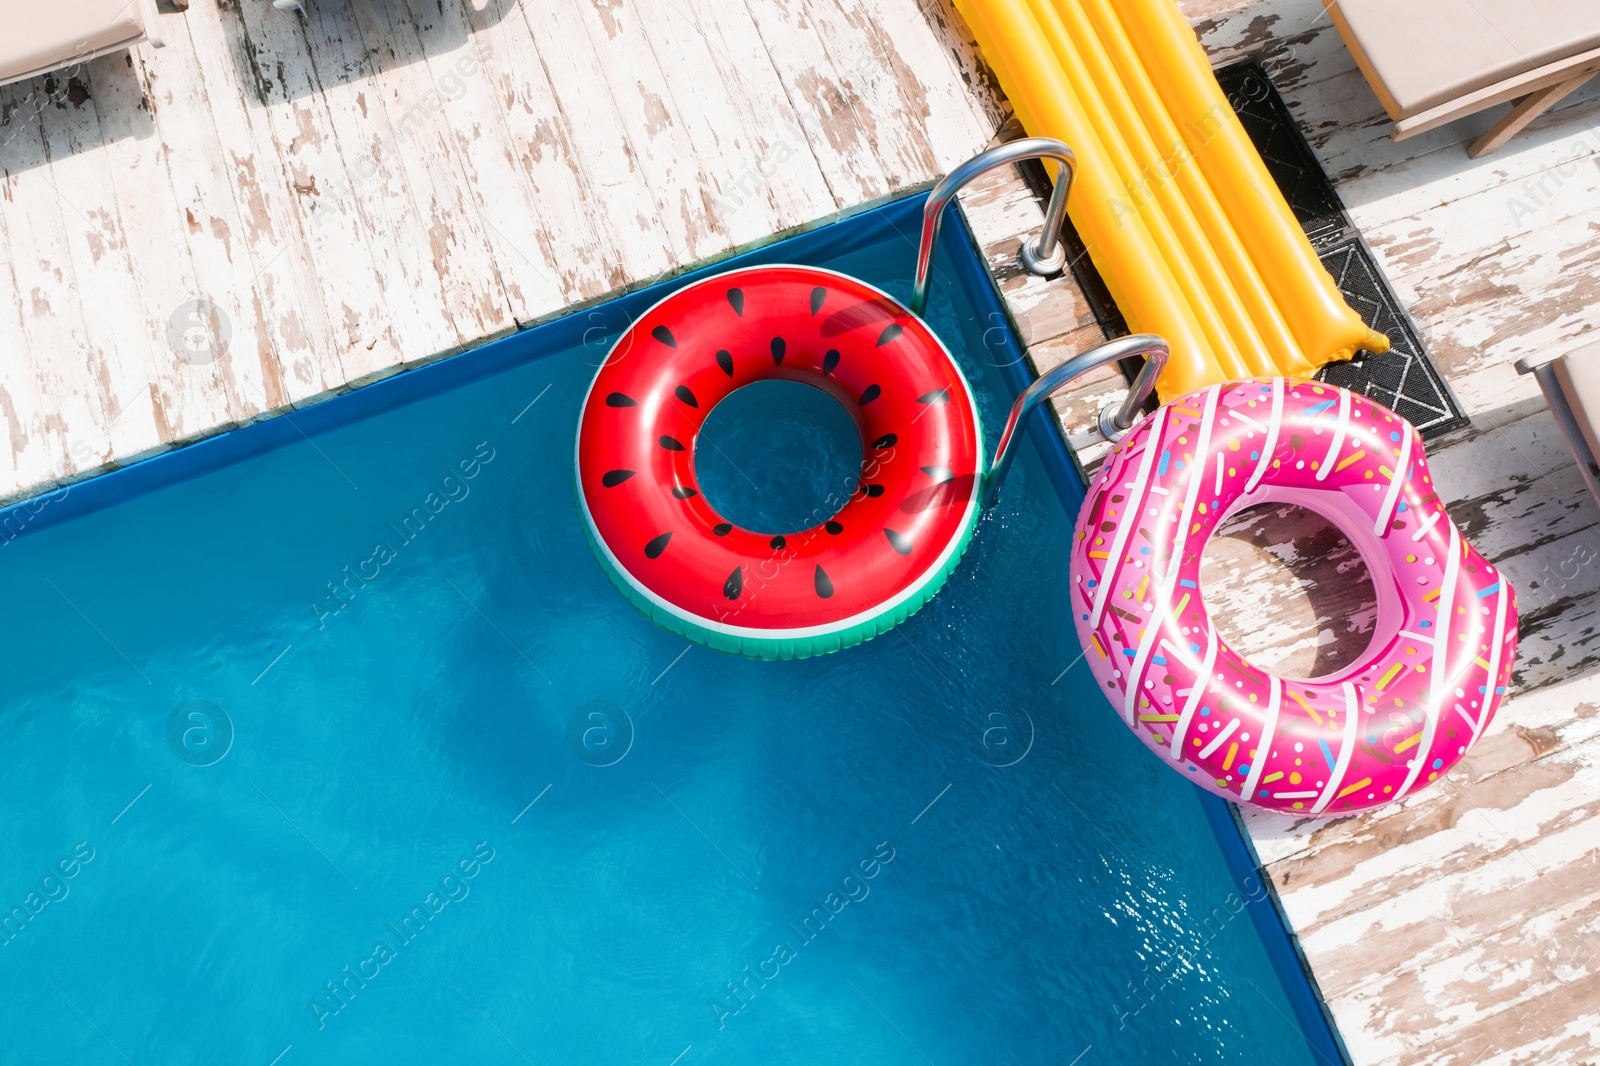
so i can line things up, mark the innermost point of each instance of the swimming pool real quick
(329, 741)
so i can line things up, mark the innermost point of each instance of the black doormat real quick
(1402, 379)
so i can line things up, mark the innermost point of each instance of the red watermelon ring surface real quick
(853, 574)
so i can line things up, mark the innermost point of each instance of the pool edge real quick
(223, 449)
(1314, 1019)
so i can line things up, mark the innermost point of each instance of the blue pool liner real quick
(959, 256)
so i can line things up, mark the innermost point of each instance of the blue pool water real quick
(469, 806)
(778, 456)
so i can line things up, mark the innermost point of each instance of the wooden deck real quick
(274, 208)
(1464, 926)
(271, 210)
(1461, 927)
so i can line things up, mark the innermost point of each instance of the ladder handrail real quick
(1044, 256)
(1115, 419)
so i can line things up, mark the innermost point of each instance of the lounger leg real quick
(1525, 111)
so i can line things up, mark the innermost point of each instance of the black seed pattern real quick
(818, 294)
(778, 348)
(722, 529)
(725, 361)
(898, 541)
(885, 441)
(833, 527)
(823, 583)
(735, 583)
(890, 332)
(778, 542)
(936, 396)
(682, 392)
(940, 474)
(656, 546)
(872, 392)
(612, 478)
(671, 444)
(736, 299)
(617, 399)
(683, 492)
(872, 490)
(664, 335)
(830, 361)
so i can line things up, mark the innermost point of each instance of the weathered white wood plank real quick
(1356, 150)
(189, 398)
(682, 194)
(35, 437)
(329, 99)
(570, 237)
(955, 38)
(1527, 296)
(251, 367)
(119, 356)
(1452, 921)
(32, 455)
(424, 298)
(36, 222)
(415, 108)
(472, 116)
(875, 97)
(825, 100)
(1294, 40)
(757, 185)
(781, 155)
(649, 244)
(284, 285)
(697, 107)
(335, 222)
(911, 58)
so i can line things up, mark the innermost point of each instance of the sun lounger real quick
(40, 38)
(1434, 61)
(1571, 385)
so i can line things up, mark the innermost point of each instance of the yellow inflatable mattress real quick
(1179, 214)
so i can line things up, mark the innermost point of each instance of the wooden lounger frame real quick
(1535, 92)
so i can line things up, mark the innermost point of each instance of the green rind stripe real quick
(786, 647)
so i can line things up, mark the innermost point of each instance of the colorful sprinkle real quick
(1258, 732)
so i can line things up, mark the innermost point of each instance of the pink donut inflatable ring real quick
(1439, 660)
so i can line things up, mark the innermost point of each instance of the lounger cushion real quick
(1418, 54)
(41, 37)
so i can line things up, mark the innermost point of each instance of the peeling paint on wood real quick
(364, 188)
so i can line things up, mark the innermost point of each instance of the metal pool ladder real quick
(1115, 418)
(1046, 255)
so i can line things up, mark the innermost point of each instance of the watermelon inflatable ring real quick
(851, 575)
(923, 480)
